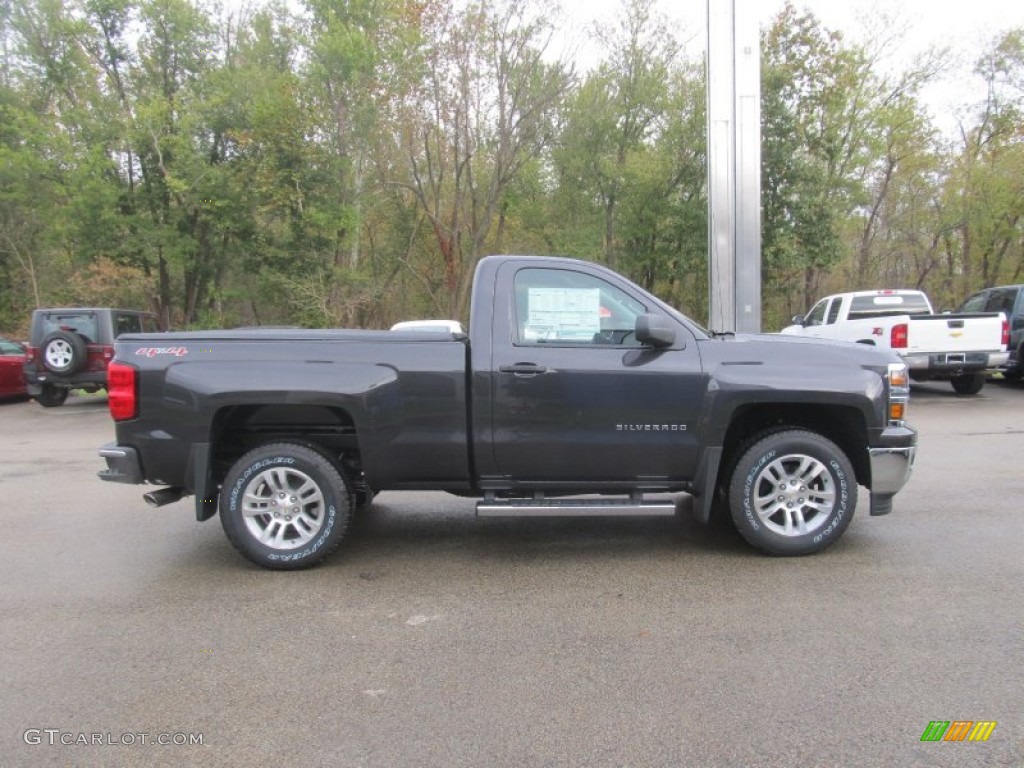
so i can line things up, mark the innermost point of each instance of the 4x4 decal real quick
(155, 351)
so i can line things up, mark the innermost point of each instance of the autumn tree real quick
(986, 185)
(482, 112)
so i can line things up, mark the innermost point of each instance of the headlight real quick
(899, 393)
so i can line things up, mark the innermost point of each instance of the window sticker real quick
(563, 314)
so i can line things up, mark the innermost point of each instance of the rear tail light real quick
(1006, 333)
(122, 391)
(898, 336)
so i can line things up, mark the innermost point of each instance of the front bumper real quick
(123, 465)
(891, 466)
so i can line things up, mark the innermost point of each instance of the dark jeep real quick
(1008, 299)
(70, 348)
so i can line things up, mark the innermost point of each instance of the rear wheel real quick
(968, 383)
(285, 506)
(792, 493)
(1016, 371)
(52, 396)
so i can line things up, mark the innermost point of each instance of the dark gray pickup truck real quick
(575, 392)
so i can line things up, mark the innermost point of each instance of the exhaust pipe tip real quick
(163, 496)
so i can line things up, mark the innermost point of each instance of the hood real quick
(777, 349)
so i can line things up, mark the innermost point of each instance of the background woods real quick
(347, 162)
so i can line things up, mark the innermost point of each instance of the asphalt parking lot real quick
(435, 639)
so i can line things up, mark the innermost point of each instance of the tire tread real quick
(753, 538)
(333, 476)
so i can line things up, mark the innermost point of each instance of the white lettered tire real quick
(285, 506)
(792, 493)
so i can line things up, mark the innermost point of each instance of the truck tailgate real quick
(956, 333)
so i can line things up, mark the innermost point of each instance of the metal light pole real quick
(734, 166)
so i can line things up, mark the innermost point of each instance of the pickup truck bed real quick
(572, 382)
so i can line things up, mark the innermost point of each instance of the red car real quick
(12, 379)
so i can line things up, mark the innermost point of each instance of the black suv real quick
(1008, 299)
(70, 348)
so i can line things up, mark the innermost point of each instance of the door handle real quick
(523, 369)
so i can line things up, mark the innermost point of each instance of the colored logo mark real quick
(958, 730)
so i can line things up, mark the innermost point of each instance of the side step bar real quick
(574, 508)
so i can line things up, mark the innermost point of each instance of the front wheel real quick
(968, 383)
(285, 506)
(792, 493)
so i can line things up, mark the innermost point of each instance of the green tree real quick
(986, 184)
(46, 122)
(619, 112)
(807, 146)
(27, 194)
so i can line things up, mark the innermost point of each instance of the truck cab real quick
(566, 389)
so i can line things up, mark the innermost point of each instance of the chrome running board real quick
(574, 508)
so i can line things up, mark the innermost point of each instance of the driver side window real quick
(559, 306)
(817, 314)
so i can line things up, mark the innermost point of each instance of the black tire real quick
(1016, 372)
(968, 383)
(64, 352)
(807, 473)
(287, 474)
(52, 396)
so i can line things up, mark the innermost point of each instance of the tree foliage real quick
(348, 162)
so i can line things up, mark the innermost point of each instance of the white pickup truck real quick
(959, 348)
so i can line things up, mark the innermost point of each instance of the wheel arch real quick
(235, 430)
(843, 425)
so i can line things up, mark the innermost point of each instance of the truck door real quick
(575, 396)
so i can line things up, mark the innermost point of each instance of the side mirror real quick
(655, 331)
(798, 319)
